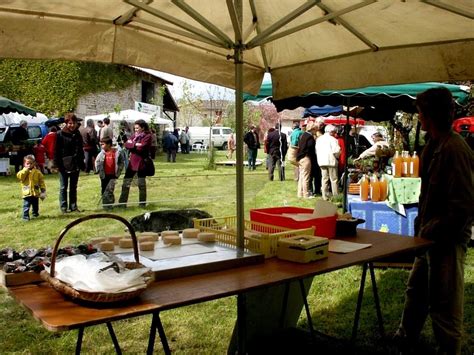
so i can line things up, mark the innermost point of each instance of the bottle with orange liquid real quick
(397, 165)
(383, 188)
(415, 166)
(364, 188)
(374, 189)
(406, 164)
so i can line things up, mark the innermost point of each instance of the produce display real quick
(35, 260)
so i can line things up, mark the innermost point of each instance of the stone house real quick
(147, 88)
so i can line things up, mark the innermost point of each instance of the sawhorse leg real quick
(306, 306)
(366, 266)
(80, 335)
(157, 325)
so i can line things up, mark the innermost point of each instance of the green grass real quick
(204, 328)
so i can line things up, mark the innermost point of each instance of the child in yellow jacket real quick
(32, 186)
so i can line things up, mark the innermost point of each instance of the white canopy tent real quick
(131, 116)
(16, 118)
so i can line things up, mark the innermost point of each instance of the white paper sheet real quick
(341, 246)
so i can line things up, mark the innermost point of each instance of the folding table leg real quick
(359, 303)
(79, 340)
(366, 266)
(306, 306)
(284, 305)
(376, 300)
(157, 325)
(114, 338)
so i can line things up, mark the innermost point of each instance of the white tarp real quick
(15, 118)
(130, 116)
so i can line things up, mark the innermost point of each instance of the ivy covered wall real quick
(54, 87)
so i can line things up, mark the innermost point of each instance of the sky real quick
(199, 86)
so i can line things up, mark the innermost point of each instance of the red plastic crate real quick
(324, 227)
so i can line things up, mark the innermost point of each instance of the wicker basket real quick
(95, 297)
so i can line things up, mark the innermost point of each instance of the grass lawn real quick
(204, 328)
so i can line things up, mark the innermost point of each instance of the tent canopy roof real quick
(353, 44)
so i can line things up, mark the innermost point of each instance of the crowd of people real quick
(75, 148)
(316, 151)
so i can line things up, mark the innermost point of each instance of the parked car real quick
(219, 136)
(36, 132)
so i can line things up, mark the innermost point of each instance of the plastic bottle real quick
(364, 188)
(406, 164)
(415, 166)
(397, 165)
(374, 189)
(383, 188)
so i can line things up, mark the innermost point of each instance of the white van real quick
(219, 136)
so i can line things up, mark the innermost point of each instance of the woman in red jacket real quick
(139, 145)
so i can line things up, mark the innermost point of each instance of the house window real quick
(148, 92)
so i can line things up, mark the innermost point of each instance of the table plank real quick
(57, 313)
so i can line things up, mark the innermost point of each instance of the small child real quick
(109, 164)
(32, 186)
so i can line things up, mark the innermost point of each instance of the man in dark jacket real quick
(69, 159)
(445, 215)
(276, 147)
(253, 144)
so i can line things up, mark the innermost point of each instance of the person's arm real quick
(23, 174)
(130, 143)
(368, 152)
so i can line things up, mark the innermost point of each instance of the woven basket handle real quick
(87, 218)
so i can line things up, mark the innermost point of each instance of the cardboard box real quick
(303, 248)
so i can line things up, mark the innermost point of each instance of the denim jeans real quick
(32, 202)
(68, 180)
(252, 155)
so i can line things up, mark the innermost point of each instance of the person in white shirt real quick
(379, 141)
(327, 152)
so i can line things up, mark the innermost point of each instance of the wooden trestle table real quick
(57, 313)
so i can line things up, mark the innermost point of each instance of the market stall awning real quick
(387, 97)
(315, 111)
(8, 106)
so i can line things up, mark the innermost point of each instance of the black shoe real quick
(75, 210)
(63, 210)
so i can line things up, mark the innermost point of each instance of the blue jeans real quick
(32, 202)
(68, 180)
(252, 158)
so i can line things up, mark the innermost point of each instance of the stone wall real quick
(104, 102)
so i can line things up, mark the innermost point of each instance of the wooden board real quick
(22, 278)
(218, 258)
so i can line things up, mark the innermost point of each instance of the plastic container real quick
(374, 189)
(258, 237)
(324, 227)
(364, 188)
(406, 164)
(383, 188)
(347, 227)
(414, 166)
(397, 165)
